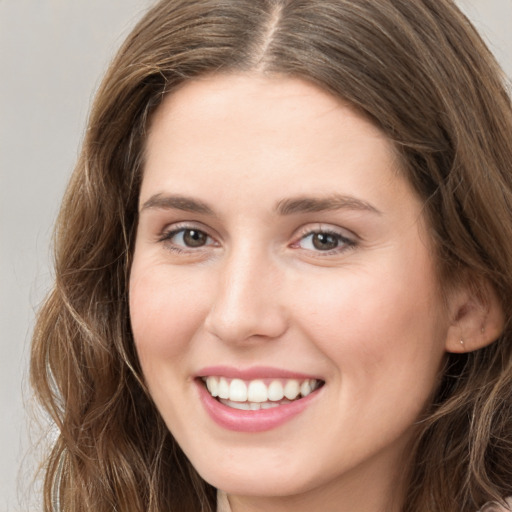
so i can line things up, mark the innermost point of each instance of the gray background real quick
(52, 56)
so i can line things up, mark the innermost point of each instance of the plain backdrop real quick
(52, 56)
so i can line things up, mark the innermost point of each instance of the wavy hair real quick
(420, 71)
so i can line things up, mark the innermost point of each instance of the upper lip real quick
(253, 372)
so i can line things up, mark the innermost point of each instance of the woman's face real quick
(281, 251)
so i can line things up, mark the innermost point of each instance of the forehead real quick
(242, 90)
(260, 129)
(241, 97)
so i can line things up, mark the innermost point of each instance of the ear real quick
(476, 318)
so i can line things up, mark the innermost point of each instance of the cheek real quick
(382, 325)
(163, 313)
(384, 338)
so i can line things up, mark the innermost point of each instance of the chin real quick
(256, 485)
(257, 479)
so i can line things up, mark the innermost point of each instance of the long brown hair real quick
(420, 71)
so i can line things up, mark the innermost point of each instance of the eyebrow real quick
(176, 202)
(283, 207)
(321, 204)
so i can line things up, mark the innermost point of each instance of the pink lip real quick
(251, 421)
(255, 372)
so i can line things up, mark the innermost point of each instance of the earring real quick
(461, 341)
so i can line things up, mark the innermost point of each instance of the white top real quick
(493, 507)
(222, 502)
(223, 505)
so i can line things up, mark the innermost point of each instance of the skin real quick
(365, 316)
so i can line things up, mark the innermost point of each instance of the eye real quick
(322, 240)
(186, 238)
(191, 237)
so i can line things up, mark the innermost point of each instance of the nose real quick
(246, 304)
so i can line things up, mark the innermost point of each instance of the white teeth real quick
(275, 391)
(291, 389)
(269, 405)
(213, 386)
(223, 390)
(257, 391)
(244, 406)
(305, 388)
(253, 406)
(238, 391)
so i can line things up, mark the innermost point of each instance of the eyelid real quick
(349, 239)
(170, 230)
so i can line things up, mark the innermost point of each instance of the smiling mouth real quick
(259, 394)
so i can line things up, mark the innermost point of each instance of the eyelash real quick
(343, 243)
(167, 236)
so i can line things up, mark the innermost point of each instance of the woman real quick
(283, 267)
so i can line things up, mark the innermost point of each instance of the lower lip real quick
(252, 421)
